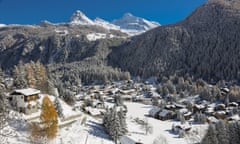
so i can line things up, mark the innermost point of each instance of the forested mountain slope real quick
(206, 44)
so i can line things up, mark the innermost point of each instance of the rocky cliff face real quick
(206, 44)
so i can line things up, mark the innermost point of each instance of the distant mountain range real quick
(204, 45)
(129, 24)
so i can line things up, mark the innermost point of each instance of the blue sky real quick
(33, 11)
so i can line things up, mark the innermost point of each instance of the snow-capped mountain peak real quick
(127, 15)
(2, 25)
(80, 18)
(131, 22)
(128, 23)
(105, 24)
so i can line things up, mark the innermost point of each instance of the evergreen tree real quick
(118, 100)
(19, 77)
(41, 77)
(51, 89)
(106, 119)
(211, 136)
(163, 104)
(3, 116)
(182, 119)
(4, 111)
(178, 115)
(222, 132)
(122, 117)
(30, 75)
(115, 129)
(58, 107)
(68, 96)
(165, 91)
(115, 123)
(205, 94)
(170, 87)
(234, 133)
(49, 118)
(226, 100)
(1, 75)
(200, 118)
(155, 101)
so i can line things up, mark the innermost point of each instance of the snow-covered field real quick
(92, 132)
(160, 128)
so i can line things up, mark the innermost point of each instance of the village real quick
(173, 119)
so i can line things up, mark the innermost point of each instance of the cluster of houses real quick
(92, 101)
(212, 111)
(94, 97)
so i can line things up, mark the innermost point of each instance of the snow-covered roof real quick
(96, 102)
(183, 111)
(188, 114)
(184, 126)
(233, 104)
(179, 105)
(169, 106)
(93, 111)
(226, 89)
(235, 117)
(128, 91)
(164, 112)
(126, 96)
(153, 111)
(221, 112)
(27, 91)
(199, 106)
(212, 119)
(126, 140)
(209, 110)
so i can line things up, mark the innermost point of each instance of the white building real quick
(25, 100)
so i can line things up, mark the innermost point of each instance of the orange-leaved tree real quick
(49, 118)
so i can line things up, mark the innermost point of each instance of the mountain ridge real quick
(79, 18)
(205, 45)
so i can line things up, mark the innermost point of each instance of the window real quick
(33, 97)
